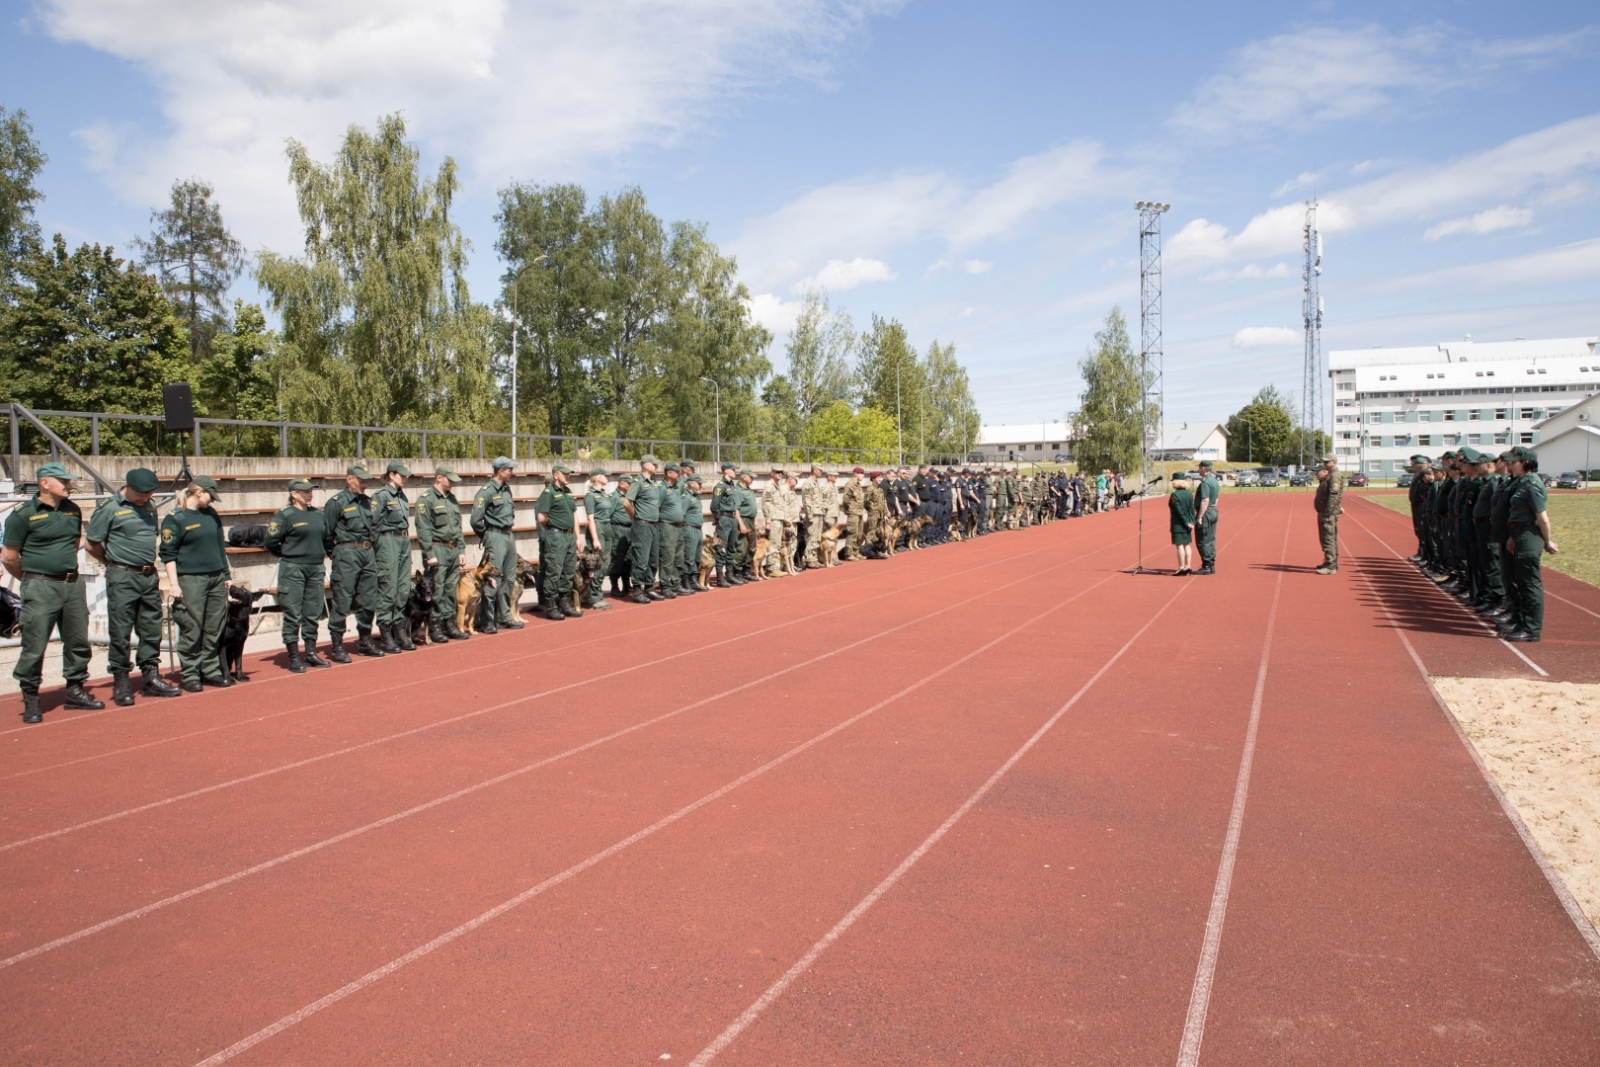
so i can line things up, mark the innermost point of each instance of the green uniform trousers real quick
(47, 606)
(644, 553)
(620, 542)
(201, 614)
(671, 556)
(354, 587)
(133, 605)
(394, 578)
(744, 552)
(501, 548)
(602, 568)
(1205, 538)
(1527, 579)
(558, 562)
(1328, 528)
(728, 534)
(693, 537)
(445, 581)
(300, 597)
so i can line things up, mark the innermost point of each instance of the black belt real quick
(70, 576)
(648, 522)
(666, 522)
(448, 544)
(354, 544)
(394, 533)
(145, 569)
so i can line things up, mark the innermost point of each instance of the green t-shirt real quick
(558, 502)
(646, 496)
(128, 531)
(193, 540)
(47, 536)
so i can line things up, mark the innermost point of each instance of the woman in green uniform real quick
(1180, 506)
(299, 538)
(197, 580)
(1528, 539)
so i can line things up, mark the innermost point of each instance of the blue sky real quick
(970, 169)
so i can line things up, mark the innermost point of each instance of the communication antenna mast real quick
(1311, 418)
(1151, 357)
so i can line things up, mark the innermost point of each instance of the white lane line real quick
(317, 846)
(1513, 649)
(1568, 903)
(1194, 1024)
(282, 768)
(804, 963)
(470, 925)
(1572, 603)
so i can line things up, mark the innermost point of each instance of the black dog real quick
(10, 613)
(419, 607)
(241, 605)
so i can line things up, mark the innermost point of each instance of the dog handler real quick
(642, 501)
(196, 559)
(391, 521)
(558, 549)
(729, 526)
(598, 506)
(493, 515)
(440, 540)
(1529, 539)
(347, 517)
(122, 536)
(297, 535)
(694, 529)
(41, 552)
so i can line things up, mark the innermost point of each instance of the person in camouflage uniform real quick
(819, 500)
(1329, 503)
(853, 502)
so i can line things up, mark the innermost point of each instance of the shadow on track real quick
(1406, 594)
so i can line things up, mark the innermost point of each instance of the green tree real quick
(20, 163)
(239, 380)
(889, 378)
(196, 259)
(952, 414)
(839, 427)
(635, 290)
(1110, 429)
(377, 320)
(87, 332)
(1263, 431)
(820, 347)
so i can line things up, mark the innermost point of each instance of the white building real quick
(1193, 441)
(1570, 440)
(1027, 442)
(1390, 403)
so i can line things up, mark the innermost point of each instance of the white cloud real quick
(772, 311)
(1567, 264)
(510, 87)
(1496, 218)
(1266, 337)
(977, 266)
(1249, 272)
(839, 274)
(1299, 181)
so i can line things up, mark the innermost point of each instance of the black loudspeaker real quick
(178, 403)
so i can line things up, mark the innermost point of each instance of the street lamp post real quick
(516, 283)
(717, 399)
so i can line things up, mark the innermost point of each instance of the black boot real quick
(30, 708)
(571, 611)
(312, 659)
(79, 700)
(454, 632)
(554, 613)
(687, 588)
(436, 632)
(386, 635)
(156, 686)
(337, 652)
(296, 664)
(653, 593)
(697, 586)
(402, 634)
(121, 690)
(638, 597)
(365, 647)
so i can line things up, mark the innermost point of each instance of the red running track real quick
(991, 803)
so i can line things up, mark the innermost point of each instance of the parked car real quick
(1357, 481)
(1246, 477)
(1062, 457)
(1404, 480)
(1568, 480)
(1546, 479)
(1300, 478)
(1267, 476)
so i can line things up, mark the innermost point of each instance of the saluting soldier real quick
(744, 560)
(391, 521)
(441, 541)
(1329, 503)
(493, 516)
(1205, 518)
(729, 526)
(353, 583)
(1528, 540)
(643, 503)
(122, 536)
(694, 532)
(598, 505)
(670, 554)
(196, 559)
(40, 550)
(297, 535)
(556, 513)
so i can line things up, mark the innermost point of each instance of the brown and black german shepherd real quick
(708, 558)
(470, 592)
(914, 528)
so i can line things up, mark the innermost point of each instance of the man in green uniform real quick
(41, 551)
(1527, 541)
(670, 530)
(1499, 534)
(749, 505)
(621, 538)
(595, 527)
(1492, 589)
(122, 537)
(1205, 518)
(441, 543)
(1416, 493)
(556, 512)
(643, 504)
(196, 558)
(1329, 503)
(391, 521)
(353, 585)
(694, 519)
(493, 516)
(297, 535)
(729, 526)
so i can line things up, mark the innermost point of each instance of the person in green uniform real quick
(597, 507)
(694, 522)
(353, 584)
(1329, 503)
(441, 542)
(556, 512)
(122, 538)
(1180, 510)
(40, 550)
(728, 524)
(643, 503)
(621, 539)
(1499, 534)
(1415, 494)
(670, 528)
(492, 519)
(196, 559)
(749, 506)
(1528, 539)
(391, 521)
(297, 536)
(1205, 518)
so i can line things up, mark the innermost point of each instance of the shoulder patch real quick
(167, 533)
(192, 526)
(119, 514)
(41, 515)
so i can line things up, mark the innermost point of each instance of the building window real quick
(1526, 438)
(1402, 440)
(1474, 438)
(1503, 438)
(1347, 387)
(1375, 466)
(1501, 414)
(1424, 440)
(1525, 413)
(1450, 440)
(1424, 416)
(1450, 415)
(1474, 415)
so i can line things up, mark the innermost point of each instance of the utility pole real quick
(1311, 311)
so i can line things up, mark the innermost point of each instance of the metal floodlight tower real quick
(1311, 419)
(1151, 357)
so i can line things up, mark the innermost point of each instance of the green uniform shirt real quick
(391, 510)
(128, 531)
(557, 502)
(598, 505)
(438, 519)
(298, 535)
(646, 496)
(492, 509)
(193, 540)
(1205, 497)
(1483, 506)
(671, 506)
(47, 536)
(1500, 509)
(725, 498)
(1527, 500)
(746, 503)
(694, 512)
(619, 514)
(347, 517)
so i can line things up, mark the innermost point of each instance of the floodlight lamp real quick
(1140, 205)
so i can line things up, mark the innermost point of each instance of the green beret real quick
(297, 485)
(561, 468)
(671, 467)
(141, 480)
(444, 470)
(209, 484)
(358, 471)
(53, 470)
(396, 467)
(502, 463)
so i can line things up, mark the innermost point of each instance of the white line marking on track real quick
(1572, 603)
(1194, 1024)
(317, 846)
(470, 925)
(1569, 903)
